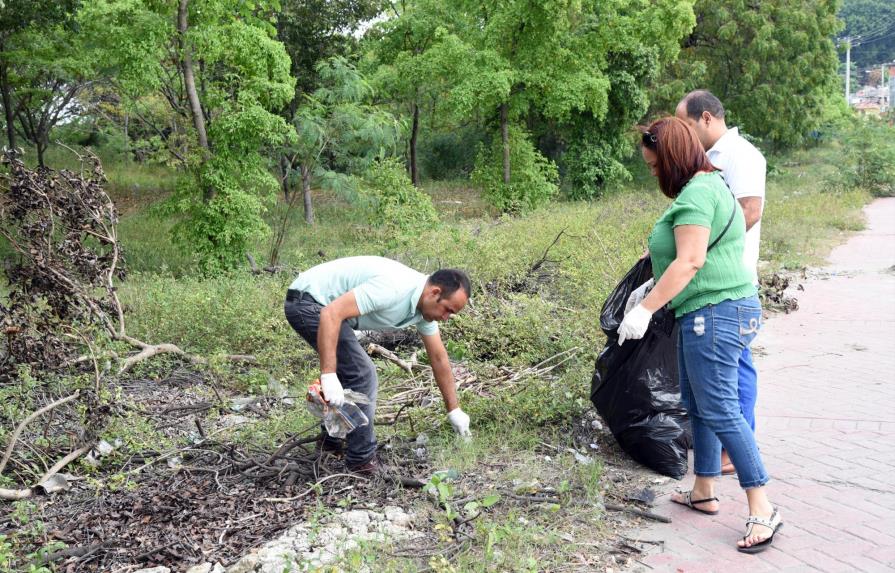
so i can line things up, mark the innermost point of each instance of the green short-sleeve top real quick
(707, 202)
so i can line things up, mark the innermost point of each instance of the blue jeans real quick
(353, 366)
(747, 387)
(711, 343)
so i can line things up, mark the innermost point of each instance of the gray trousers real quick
(353, 366)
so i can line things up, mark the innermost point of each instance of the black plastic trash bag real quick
(635, 386)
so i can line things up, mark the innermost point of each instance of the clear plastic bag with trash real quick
(342, 420)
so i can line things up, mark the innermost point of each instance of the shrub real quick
(870, 158)
(533, 178)
(450, 154)
(398, 207)
(591, 164)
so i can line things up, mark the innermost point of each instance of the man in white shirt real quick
(325, 303)
(744, 170)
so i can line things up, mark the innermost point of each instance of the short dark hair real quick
(679, 155)
(450, 280)
(699, 101)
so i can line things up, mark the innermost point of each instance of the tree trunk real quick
(505, 136)
(41, 146)
(189, 83)
(285, 169)
(414, 133)
(127, 141)
(306, 193)
(7, 104)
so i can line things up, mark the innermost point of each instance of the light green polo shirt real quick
(386, 291)
(707, 202)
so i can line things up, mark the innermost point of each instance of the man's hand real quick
(460, 421)
(634, 325)
(332, 389)
(637, 296)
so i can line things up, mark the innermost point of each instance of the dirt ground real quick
(214, 501)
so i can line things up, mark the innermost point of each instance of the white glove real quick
(332, 389)
(634, 325)
(637, 296)
(460, 421)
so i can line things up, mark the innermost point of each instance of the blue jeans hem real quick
(753, 485)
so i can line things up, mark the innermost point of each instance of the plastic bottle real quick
(342, 420)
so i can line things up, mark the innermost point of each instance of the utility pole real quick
(847, 71)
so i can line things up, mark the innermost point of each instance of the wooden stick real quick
(376, 350)
(638, 512)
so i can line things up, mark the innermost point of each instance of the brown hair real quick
(679, 155)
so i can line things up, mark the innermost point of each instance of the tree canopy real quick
(871, 26)
(772, 64)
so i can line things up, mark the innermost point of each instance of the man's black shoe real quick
(331, 446)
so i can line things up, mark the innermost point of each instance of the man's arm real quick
(751, 210)
(441, 367)
(331, 318)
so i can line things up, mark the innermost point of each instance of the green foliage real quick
(534, 178)
(449, 154)
(221, 230)
(340, 132)
(575, 66)
(772, 64)
(42, 66)
(399, 208)
(316, 30)
(871, 23)
(870, 158)
(244, 79)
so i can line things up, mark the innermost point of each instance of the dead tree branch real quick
(15, 435)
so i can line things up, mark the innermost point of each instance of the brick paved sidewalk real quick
(826, 428)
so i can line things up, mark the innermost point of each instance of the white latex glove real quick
(332, 389)
(460, 421)
(634, 325)
(637, 296)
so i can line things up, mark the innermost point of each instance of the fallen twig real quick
(313, 488)
(376, 350)
(638, 512)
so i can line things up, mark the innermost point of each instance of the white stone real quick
(202, 568)
(307, 548)
(153, 570)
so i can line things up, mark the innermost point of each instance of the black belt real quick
(293, 295)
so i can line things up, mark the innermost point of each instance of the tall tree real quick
(402, 70)
(772, 63)
(340, 135)
(49, 70)
(314, 31)
(218, 65)
(17, 16)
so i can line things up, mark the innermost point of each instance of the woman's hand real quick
(634, 325)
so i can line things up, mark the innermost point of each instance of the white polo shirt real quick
(386, 291)
(744, 170)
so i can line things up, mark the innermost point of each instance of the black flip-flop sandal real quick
(692, 503)
(775, 523)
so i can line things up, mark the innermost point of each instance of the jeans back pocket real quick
(750, 323)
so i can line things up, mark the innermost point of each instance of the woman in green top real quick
(697, 255)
